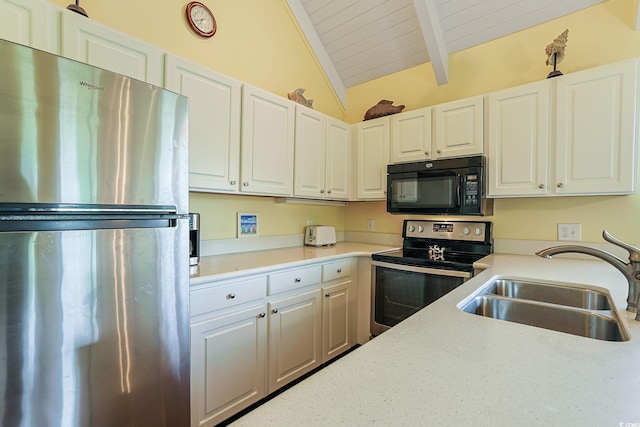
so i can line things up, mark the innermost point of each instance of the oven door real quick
(398, 291)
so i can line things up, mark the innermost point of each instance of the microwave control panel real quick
(471, 190)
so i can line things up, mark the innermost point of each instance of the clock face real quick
(201, 19)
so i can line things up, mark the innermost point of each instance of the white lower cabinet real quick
(338, 318)
(295, 337)
(251, 336)
(227, 364)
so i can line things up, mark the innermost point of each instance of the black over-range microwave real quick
(448, 186)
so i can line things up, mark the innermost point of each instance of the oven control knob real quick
(478, 231)
(466, 231)
(412, 228)
(420, 229)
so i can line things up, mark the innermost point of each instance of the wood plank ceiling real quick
(361, 40)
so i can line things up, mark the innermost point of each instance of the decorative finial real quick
(77, 9)
(555, 52)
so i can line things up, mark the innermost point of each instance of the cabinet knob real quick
(297, 280)
(329, 191)
(274, 311)
(245, 184)
(339, 270)
(327, 295)
(233, 182)
(439, 151)
(261, 315)
(231, 296)
(541, 186)
(426, 153)
(321, 191)
(560, 185)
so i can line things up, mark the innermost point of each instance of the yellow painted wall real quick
(259, 43)
(598, 35)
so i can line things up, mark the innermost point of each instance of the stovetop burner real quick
(441, 244)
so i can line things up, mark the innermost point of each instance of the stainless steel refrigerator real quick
(94, 234)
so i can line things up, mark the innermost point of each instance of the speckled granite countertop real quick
(444, 367)
(242, 263)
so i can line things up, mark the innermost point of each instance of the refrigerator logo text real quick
(91, 86)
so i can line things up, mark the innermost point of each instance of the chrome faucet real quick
(631, 269)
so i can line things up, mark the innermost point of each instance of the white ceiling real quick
(361, 40)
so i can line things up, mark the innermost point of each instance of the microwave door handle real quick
(458, 184)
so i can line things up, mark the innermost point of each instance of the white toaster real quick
(320, 235)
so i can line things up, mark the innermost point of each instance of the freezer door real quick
(94, 328)
(75, 134)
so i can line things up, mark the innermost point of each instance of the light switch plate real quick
(569, 232)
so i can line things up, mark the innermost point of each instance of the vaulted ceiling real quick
(361, 40)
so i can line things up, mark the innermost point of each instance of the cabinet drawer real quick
(336, 270)
(227, 295)
(293, 279)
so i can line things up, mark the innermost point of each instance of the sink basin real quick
(559, 318)
(555, 306)
(563, 294)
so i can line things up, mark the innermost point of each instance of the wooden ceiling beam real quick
(433, 38)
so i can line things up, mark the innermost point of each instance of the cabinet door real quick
(338, 318)
(295, 337)
(31, 23)
(214, 124)
(519, 138)
(266, 164)
(373, 155)
(596, 130)
(89, 42)
(459, 128)
(309, 179)
(227, 364)
(338, 163)
(411, 136)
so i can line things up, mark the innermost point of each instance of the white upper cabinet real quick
(33, 23)
(95, 44)
(214, 124)
(338, 164)
(459, 128)
(310, 153)
(267, 143)
(372, 145)
(322, 156)
(518, 146)
(411, 136)
(571, 135)
(596, 113)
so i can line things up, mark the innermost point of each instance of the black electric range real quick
(452, 245)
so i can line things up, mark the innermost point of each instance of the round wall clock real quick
(201, 19)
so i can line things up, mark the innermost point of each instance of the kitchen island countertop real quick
(444, 367)
(243, 263)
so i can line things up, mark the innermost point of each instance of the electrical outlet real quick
(569, 232)
(370, 225)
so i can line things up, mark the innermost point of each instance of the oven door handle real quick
(425, 270)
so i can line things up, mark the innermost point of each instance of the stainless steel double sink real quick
(561, 307)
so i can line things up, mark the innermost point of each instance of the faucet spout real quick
(630, 270)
